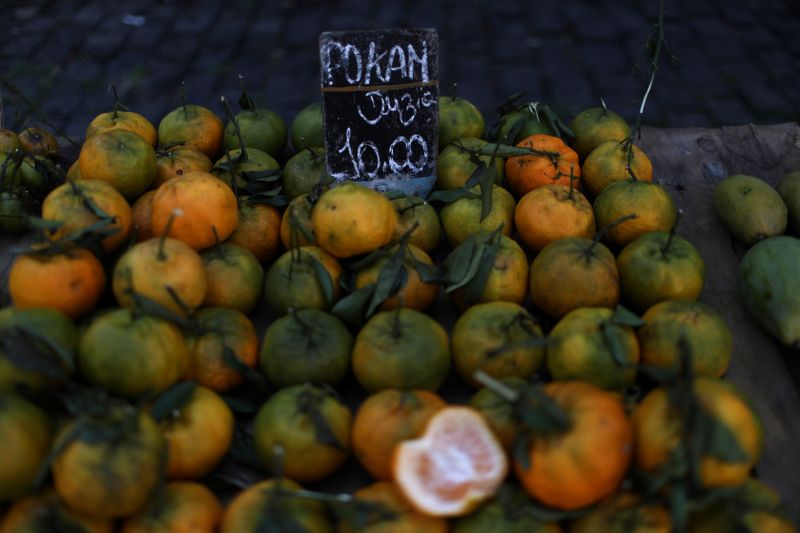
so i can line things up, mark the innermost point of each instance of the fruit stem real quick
(496, 386)
(161, 256)
(184, 99)
(242, 148)
(453, 91)
(605, 229)
(113, 90)
(308, 330)
(217, 242)
(251, 105)
(605, 107)
(672, 231)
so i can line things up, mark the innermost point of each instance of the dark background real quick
(738, 62)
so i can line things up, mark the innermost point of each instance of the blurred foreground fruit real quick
(624, 512)
(405, 518)
(44, 512)
(585, 457)
(181, 507)
(455, 465)
(26, 433)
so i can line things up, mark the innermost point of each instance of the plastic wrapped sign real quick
(380, 94)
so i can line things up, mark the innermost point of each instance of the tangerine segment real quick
(456, 464)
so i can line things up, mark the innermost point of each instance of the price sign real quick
(380, 94)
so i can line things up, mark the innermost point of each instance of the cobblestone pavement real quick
(738, 62)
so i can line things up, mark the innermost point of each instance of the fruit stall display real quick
(203, 331)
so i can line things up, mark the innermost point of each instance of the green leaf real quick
(427, 273)
(246, 103)
(230, 359)
(262, 176)
(173, 399)
(353, 307)
(540, 413)
(457, 262)
(43, 224)
(487, 185)
(614, 343)
(238, 405)
(679, 507)
(395, 195)
(464, 271)
(521, 449)
(448, 196)
(308, 403)
(370, 259)
(360, 514)
(31, 351)
(720, 442)
(323, 278)
(477, 285)
(391, 279)
(624, 317)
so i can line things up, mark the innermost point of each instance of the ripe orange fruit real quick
(132, 356)
(26, 433)
(70, 281)
(74, 171)
(624, 512)
(67, 204)
(578, 349)
(454, 166)
(271, 502)
(415, 293)
(306, 346)
(296, 223)
(192, 125)
(659, 427)
(556, 163)
(571, 273)
(553, 212)
(507, 279)
(401, 349)
(351, 219)
(458, 118)
(205, 203)
(405, 519)
(142, 217)
(293, 280)
(161, 269)
(198, 435)
(385, 419)
(587, 462)
(462, 219)
(307, 128)
(607, 164)
(414, 210)
(704, 329)
(38, 141)
(486, 338)
(44, 512)
(454, 466)
(178, 161)
(120, 157)
(111, 465)
(235, 278)
(181, 507)
(651, 203)
(123, 120)
(595, 126)
(220, 329)
(258, 230)
(289, 420)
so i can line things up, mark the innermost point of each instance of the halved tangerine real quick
(453, 467)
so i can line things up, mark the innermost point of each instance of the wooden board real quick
(689, 163)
